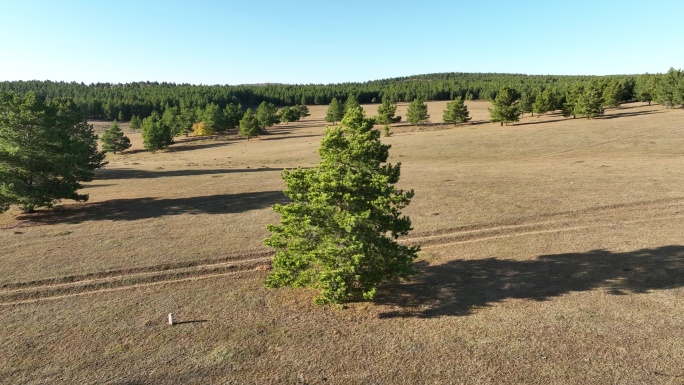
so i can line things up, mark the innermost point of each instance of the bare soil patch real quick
(552, 253)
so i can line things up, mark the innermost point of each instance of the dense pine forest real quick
(123, 101)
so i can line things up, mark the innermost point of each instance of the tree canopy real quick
(114, 140)
(335, 112)
(46, 150)
(504, 109)
(339, 232)
(249, 125)
(417, 112)
(456, 112)
(156, 133)
(111, 101)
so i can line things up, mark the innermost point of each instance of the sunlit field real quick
(552, 252)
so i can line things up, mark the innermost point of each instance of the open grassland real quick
(553, 252)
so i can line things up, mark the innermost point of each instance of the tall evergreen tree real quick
(456, 112)
(135, 123)
(525, 102)
(349, 104)
(504, 110)
(386, 112)
(232, 115)
(644, 88)
(114, 140)
(302, 111)
(339, 232)
(572, 106)
(213, 118)
(249, 125)
(590, 102)
(417, 112)
(334, 112)
(156, 134)
(266, 114)
(612, 93)
(46, 150)
(288, 114)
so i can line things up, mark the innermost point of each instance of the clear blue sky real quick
(236, 42)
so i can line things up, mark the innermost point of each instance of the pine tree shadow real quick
(134, 173)
(458, 287)
(149, 207)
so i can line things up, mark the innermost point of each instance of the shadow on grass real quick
(131, 173)
(628, 114)
(290, 137)
(459, 287)
(143, 208)
(198, 146)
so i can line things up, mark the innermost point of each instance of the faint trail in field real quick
(538, 232)
(35, 292)
(546, 221)
(619, 139)
(603, 216)
(119, 288)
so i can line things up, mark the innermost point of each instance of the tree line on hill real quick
(123, 101)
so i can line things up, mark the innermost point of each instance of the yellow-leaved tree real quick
(201, 129)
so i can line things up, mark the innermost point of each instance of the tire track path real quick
(77, 285)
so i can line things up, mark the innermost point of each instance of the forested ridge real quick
(122, 101)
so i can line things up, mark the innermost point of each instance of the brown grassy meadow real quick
(552, 252)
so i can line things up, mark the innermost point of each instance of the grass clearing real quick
(552, 253)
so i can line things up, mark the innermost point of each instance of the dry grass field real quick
(552, 253)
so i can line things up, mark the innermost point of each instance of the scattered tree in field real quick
(349, 104)
(612, 94)
(669, 88)
(417, 112)
(644, 88)
(541, 104)
(212, 117)
(525, 103)
(184, 121)
(571, 107)
(249, 125)
(302, 111)
(201, 129)
(156, 134)
(46, 150)
(545, 101)
(386, 113)
(334, 113)
(288, 114)
(504, 110)
(590, 102)
(339, 232)
(232, 115)
(388, 133)
(456, 112)
(266, 115)
(172, 118)
(135, 123)
(114, 140)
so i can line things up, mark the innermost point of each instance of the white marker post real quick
(171, 319)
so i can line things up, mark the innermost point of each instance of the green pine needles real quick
(339, 233)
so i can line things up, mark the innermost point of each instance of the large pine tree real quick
(249, 125)
(417, 112)
(46, 150)
(114, 140)
(334, 113)
(456, 112)
(339, 233)
(504, 110)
